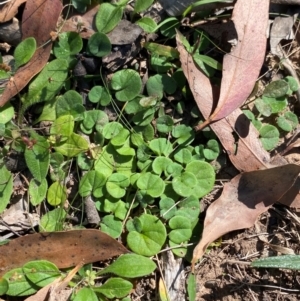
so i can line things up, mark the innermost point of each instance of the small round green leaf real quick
(269, 136)
(212, 150)
(167, 208)
(181, 229)
(151, 184)
(160, 164)
(164, 124)
(116, 185)
(99, 44)
(205, 175)
(184, 184)
(111, 225)
(150, 239)
(277, 88)
(161, 146)
(69, 43)
(92, 182)
(99, 94)
(184, 134)
(127, 84)
(288, 121)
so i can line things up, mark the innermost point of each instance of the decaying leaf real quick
(64, 249)
(245, 152)
(243, 199)
(38, 20)
(242, 66)
(9, 10)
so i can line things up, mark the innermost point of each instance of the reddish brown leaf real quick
(9, 10)
(39, 19)
(246, 153)
(65, 249)
(243, 199)
(84, 24)
(242, 66)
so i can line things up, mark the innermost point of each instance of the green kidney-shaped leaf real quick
(37, 191)
(205, 175)
(150, 239)
(115, 288)
(167, 208)
(293, 83)
(288, 121)
(184, 134)
(181, 229)
(269, 136)
(212, 150)
(70, 104)
(19, 285)
(92, 182)
(37, 157)
(111, 226)
(277, 88)
(139, 266)
(127, 84)
(57, 194)
(116, 185)
(24, 51)
(99, 44)
(69, 44)
(151, 184)
(41, 272)
(99, 94)
(161, 164)
(189, 208)
(161, 146)
(184, 184)
(108, 17)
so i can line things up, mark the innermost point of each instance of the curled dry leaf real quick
(38, 20)
(247, 195)
(242, 65)
(64, 249)
(9, 10)
(246, 153)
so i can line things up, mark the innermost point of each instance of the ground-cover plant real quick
(144, 170)
(273, 111)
